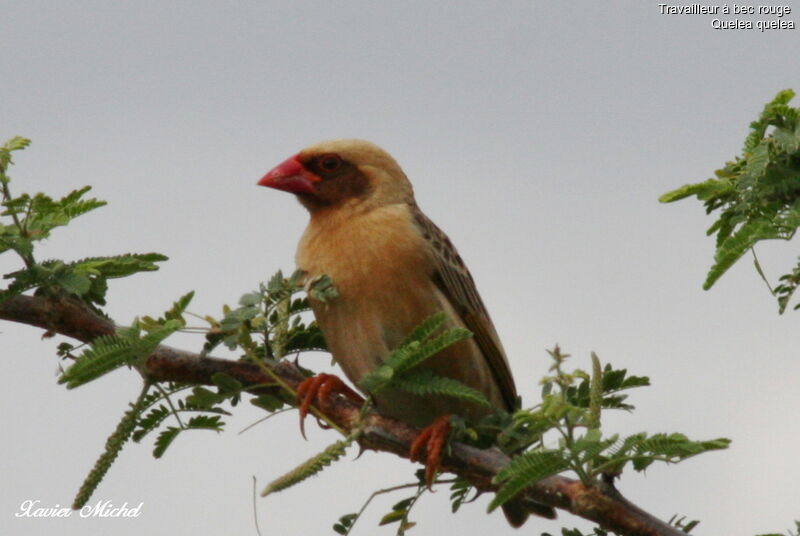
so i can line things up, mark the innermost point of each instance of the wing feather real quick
(454, 280)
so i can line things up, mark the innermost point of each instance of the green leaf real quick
(426, 329)
(525, 470)
(426, 383)
(345, 523)
(788, 140)
(737, 245)
(227, 384)
(642, 450)
(322, 289)
(377, 379)
(74, 282)
(17, 143)
(174, 313)
(757, 161)
(460, 490)
(203, 398)
(120, 265)
(757, 195)
(165, 439)
(150, 422)
(404, 504)
(269, 403)
(759, 127)
(418, 347)
(405, 361)
(42, 214)
(251, 299)
(613, 381)
(787, 287)
(106, 353)
(304, 338)
(85, 278)
(110, 352)
(703, 190)
(205, 422)
(392, 517)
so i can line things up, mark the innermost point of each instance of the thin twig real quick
(171, 407)
(262, 419)
(385, 491)
(28, 259)
(761, 272)
(255, 507)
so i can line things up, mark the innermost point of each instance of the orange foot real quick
(321, 388)
(433, 437)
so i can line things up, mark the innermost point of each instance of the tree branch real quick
(601, 503)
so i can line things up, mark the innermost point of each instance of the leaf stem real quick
(760, 271)
(26, 258)
(171, 407)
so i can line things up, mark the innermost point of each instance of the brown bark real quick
(601, 503)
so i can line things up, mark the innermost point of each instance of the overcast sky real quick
(537, 134)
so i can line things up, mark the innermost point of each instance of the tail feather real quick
(517, 511)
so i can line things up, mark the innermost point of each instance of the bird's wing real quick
(454, 280)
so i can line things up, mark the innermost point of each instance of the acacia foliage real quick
(756, 196)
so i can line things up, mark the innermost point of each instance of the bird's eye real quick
(330, 162)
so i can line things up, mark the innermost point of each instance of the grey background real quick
(537, 134)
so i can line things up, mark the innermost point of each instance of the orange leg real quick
(321, 388)
(433, 438)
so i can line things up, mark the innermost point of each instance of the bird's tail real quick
(517, 511)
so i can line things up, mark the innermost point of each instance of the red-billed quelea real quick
(392, 268)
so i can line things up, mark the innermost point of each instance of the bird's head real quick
(341, 172)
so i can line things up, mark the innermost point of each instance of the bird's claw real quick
(433, 438)
(321, 388)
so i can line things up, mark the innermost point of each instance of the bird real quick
(392, 268)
